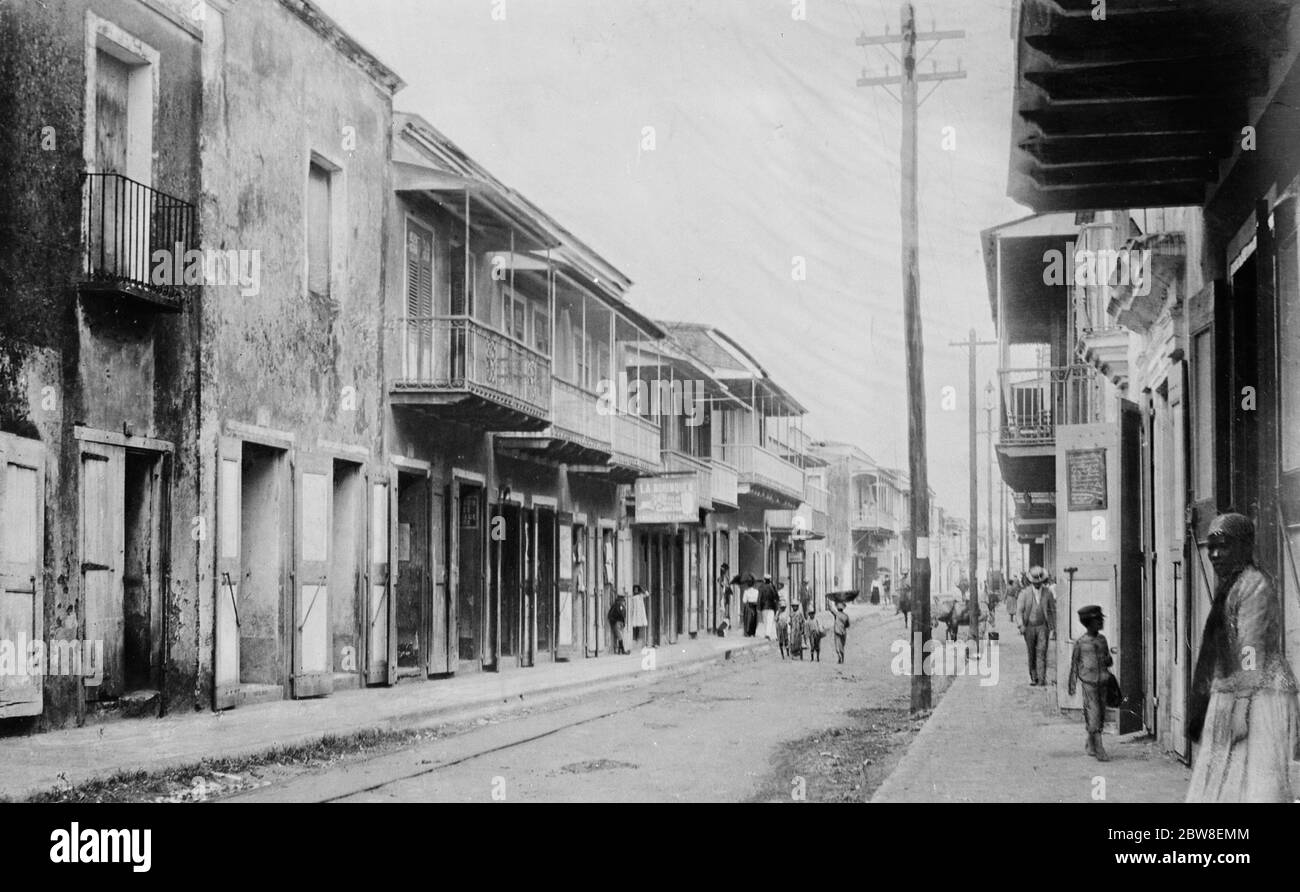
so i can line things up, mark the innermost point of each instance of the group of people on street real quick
(1244, 704)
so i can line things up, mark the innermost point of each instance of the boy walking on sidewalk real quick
(1089, 665)
(841, 629)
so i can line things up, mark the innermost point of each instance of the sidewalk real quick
(1009, 742)
(40, 762)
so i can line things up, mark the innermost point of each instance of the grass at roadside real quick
(848, 762)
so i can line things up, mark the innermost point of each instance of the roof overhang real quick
(1144, 109)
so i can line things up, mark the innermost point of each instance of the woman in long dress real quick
(1243, 707)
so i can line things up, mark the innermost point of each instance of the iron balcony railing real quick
(1036, 400)
(461, 353)
(126, 223)
(759, 466)
(636, 442)
(575, 411)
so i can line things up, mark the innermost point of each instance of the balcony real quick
(125, 223)
(765, 477)
(458, 369)
(818, 500)
(675, 462)
(579, 434)
(636, 447)
(1035, 401)
(725, 485)
(873, 522)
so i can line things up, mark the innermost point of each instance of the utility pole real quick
(970, 346)
(988, 405)
(920, 502)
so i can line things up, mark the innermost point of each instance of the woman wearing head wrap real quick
(1243, 705)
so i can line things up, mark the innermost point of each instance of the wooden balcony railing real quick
(759, 466)
(575, 411)
(636, 442)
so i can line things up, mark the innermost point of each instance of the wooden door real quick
(1174, 556)
(566, 585)
(22, 581)
(313, 513)
(103, 485)
(381, 616)
(226, 691)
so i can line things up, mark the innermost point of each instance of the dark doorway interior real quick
(140, 573)
(346, 543)
(412, 573)
(471, 621)
(261, 601)
(546, 581)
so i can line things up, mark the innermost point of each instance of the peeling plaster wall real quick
(281, 358)
(65, 360)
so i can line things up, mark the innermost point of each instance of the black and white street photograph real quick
(569, 402)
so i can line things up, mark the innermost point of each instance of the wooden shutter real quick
(313, 513)
(318, 230)
(22, 584)
(226, 690)
(565, 582)
(381, 659)
(103, 482)
(444, 638)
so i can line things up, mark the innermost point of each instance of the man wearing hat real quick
(1036, 618)
(1090, 666)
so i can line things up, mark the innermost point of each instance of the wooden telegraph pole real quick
(907, 81)
(970, 344)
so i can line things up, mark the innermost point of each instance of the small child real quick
(841, 629)
(1089, 666)
(814, 629)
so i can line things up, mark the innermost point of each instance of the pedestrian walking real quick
(768, 602)
(749, 603)
(724, 600)
(1090, 666)
(1243, 707)
(797, 622)
(814, 631)
(904, 605)
(617, 620)
(841, 629)
(886, 590)
(783, 630)
(805, 596)
(1036, 620)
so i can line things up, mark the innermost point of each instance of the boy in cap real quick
(1089, 666)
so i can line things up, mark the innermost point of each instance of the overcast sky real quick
(765, 150)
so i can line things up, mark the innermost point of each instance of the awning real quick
(409, 177)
